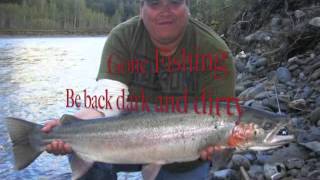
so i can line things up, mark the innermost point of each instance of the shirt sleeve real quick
(115, 57)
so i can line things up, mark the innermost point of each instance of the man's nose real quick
(165, 5)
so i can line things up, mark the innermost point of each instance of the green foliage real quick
(101, 15)
(63, 15)
(218, 14)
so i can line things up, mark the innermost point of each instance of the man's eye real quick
(176, 1)
(153, 2)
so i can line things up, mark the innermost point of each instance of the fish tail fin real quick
(21, 133)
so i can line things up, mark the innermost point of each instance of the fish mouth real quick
(278, 137)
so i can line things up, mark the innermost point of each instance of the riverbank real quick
(24, 32)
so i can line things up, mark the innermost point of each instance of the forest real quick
(97, 16)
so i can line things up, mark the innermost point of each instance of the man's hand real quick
(56, 147)
(206, 154)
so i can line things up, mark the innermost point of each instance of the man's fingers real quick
(54, 146)
(67, 148)
(203, 155)
(49, 125)
(49, 148)
(60, 147)
(46, 128)
(210, 150)
(206, 154)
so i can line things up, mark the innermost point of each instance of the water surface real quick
(34, 75)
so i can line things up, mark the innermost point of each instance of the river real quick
(34, 75)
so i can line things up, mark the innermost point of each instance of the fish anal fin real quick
(79, 165)
(150, 171)
(221, 158)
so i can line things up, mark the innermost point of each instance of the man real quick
(172, 53)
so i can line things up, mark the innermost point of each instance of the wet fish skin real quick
(134, 138)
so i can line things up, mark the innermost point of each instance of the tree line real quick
(94, 16)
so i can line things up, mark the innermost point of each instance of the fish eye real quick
(255, 133)
(283, 132)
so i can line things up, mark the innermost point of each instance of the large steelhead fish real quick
(149, 137)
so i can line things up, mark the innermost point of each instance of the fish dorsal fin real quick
(68, 119)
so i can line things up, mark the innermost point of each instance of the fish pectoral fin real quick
(68, 119)
(221, 158)
(150, 171)
(79, 166)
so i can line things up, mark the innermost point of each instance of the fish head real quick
(260, 130)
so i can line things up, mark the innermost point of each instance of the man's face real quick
(165, 20)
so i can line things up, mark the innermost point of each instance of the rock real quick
(299, 104)
(274, 171)
(239, 89)
(291, 83)
(315, 115)
(313, 154)
(318, 101)
(238, 160)
(262, 158)
(315, 22)
(283, 74)
(263, 95)
(305, 170)
(249, 102)
(311, 162)
(254, 62)
(312, 134)
(250, 156)
(315, 75)
(284, 97)
(293, 59)
(312, 67)
(273, 104)
(248, 84)
(257, 105)
(293, 172)
(294, 163)
(298, 122)
(242, 55)
(275, 23)
(281, 155)
(252, 91)
(240, 66)
(302, 76)
(228, 174)
(307, 91)
(299, 14)
(314, 146)
(258, 36)
(255, 171)
(293, 67)
(314, 174)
